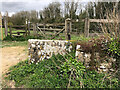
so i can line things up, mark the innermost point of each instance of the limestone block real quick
(44, 49)
(100, 65)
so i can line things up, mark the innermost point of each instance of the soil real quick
(10, 56)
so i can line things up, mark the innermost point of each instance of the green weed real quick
(59, 72)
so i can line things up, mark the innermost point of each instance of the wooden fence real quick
(39, 29)
(52, 29)
(88, 21)
(57, 28)
(17, 30)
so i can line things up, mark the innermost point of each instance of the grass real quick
(14, 43)
(56, 72)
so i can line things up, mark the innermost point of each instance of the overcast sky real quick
(13, 6)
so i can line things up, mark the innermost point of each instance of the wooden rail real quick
(50, 29)
(58, 33)
(88, 21)
(103, 20)
(18, 26)
(19, 31)
(55, 24)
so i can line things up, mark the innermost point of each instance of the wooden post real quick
(34, 29)
(28, 28)
(87, 24)
(26, 25)
(37, 29)
(44, 27)
(1, 26)
(25, 30)
(10, 28)
(68, 26)
(6, 24)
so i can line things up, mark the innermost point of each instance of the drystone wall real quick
(44, 49)
(101, 64)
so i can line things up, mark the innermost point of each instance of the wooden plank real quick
(17, 32)
(77, 21)
(41, 32)
(103, 20)
(54, 24)
(18, 26)
(49, 34)
(99, 20)
(58, 33)
(50, 29)
(14, 29)
(21, 32)
(17, 35)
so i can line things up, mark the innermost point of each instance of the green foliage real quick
(22, 38)
(114, 47)
(59, 72)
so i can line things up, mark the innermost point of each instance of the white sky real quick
(13, 6)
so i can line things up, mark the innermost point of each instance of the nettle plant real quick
(74, 71)
(114, 47)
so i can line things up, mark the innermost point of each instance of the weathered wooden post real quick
(68, 28)
(6, 24)
(10, 28)
(1, 26)
(87, 25)
(34, 29)
(26, 24)
(37, 29)
(29, 28)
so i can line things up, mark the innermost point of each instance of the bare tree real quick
(71, 7)
(51, 13)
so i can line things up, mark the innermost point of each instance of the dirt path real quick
(11, 56)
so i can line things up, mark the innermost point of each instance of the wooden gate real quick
(51, 31)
